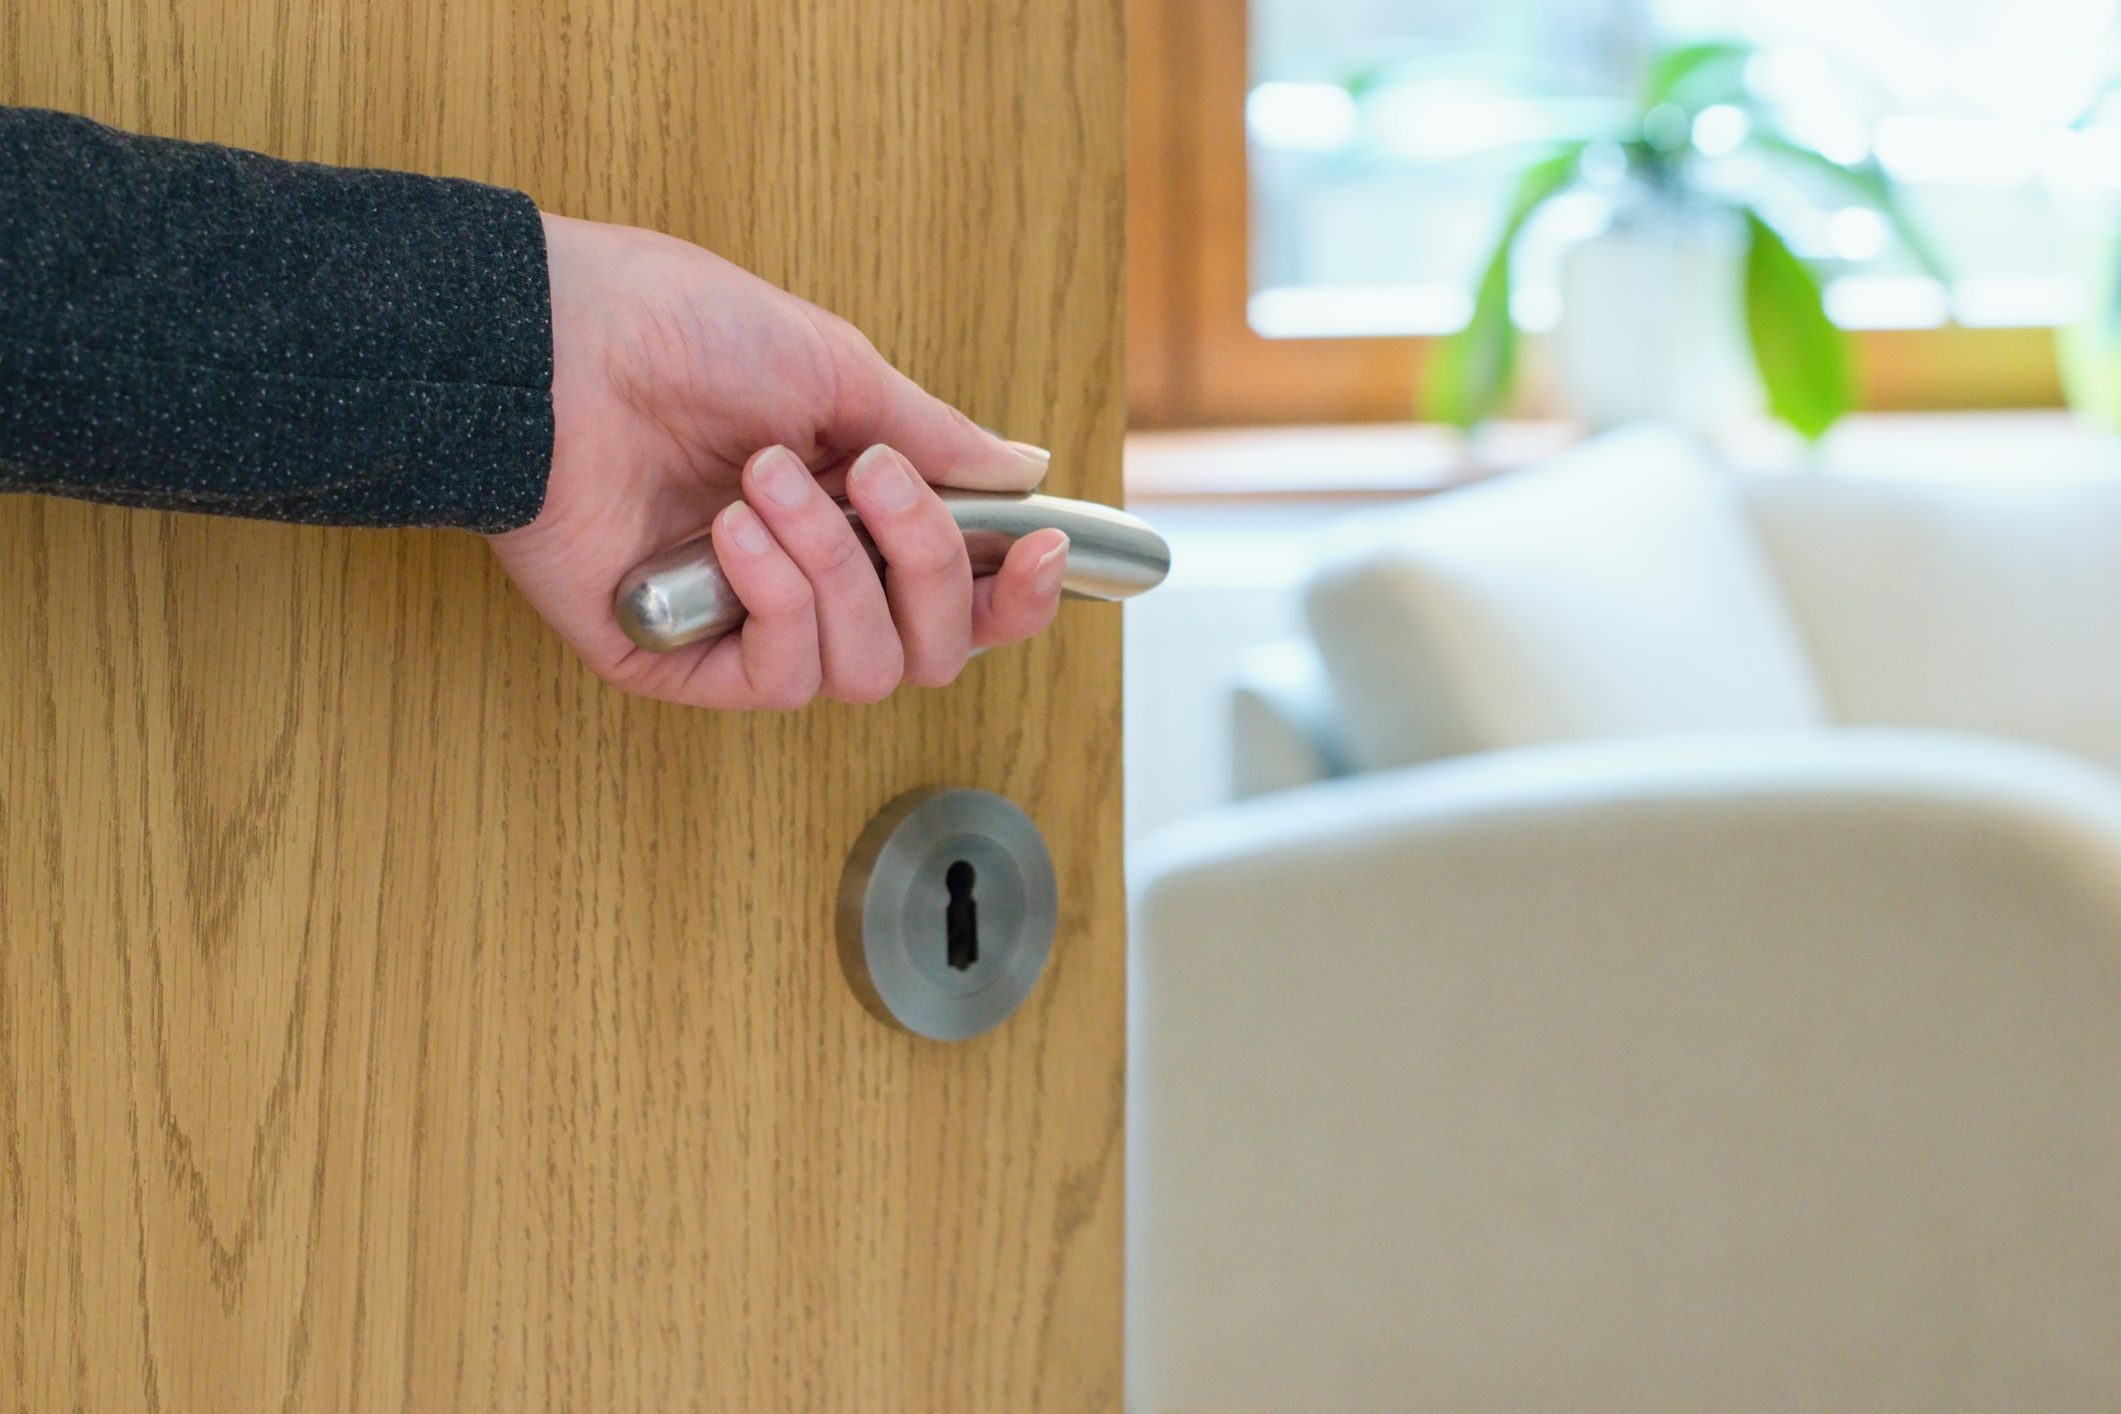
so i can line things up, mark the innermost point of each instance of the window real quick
(1317, 181)
(1371, 214)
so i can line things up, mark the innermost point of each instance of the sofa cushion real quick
(1284, 729)
(1618, 589)
(1985, 607)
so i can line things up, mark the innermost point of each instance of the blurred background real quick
(1622, 782)
(1319, 186)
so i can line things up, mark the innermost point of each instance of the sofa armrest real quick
(1283, 729)
(1704, 1073)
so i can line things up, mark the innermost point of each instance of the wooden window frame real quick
(1194, 358)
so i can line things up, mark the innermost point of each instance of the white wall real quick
(1234, 577)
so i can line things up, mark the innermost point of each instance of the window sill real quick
(1356, 461)
(1395, 461)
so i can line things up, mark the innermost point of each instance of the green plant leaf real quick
(1470, 371)
(1803, 358)
(1697, 75)
(1368, 79)
(1469, 374)
(1869, 185)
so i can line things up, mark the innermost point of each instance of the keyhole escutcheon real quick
(947, 912)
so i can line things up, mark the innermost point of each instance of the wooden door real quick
(393, 1017)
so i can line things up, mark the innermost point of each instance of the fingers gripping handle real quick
(681, 596)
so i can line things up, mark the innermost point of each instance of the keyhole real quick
(961, 918)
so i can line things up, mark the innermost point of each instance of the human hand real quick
(687, 392)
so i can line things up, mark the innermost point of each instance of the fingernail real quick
(785, 480)
(1040, 455)
(1051, 566)
(882, 475)
(744, 524)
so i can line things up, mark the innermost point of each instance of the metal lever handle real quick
(680, 596)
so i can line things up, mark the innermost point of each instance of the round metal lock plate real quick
(947, 912)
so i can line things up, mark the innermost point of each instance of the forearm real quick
(197, 328)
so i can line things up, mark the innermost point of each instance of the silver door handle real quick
(680, 596)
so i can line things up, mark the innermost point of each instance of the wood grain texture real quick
(391, 1016)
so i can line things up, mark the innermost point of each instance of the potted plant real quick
(1690, 273)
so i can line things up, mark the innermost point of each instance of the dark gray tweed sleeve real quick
(196, 328)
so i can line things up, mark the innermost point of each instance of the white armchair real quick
(1708, 993)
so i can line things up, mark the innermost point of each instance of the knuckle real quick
(936, 672)
(858, 343)
(872, 682)
(846, 364)
(786, 598)
(868, 694)
(1018, 627)
(623, 675)
(850, 350)
(840, 552)
(790, 694)
(934, 550)
(614, 671)
(839, 331)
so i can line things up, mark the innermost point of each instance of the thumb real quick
(945, 446)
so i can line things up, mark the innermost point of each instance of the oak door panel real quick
(393, 1017)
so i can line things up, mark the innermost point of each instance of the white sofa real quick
(1702, 992)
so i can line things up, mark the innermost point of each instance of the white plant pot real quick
(1653, 322)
